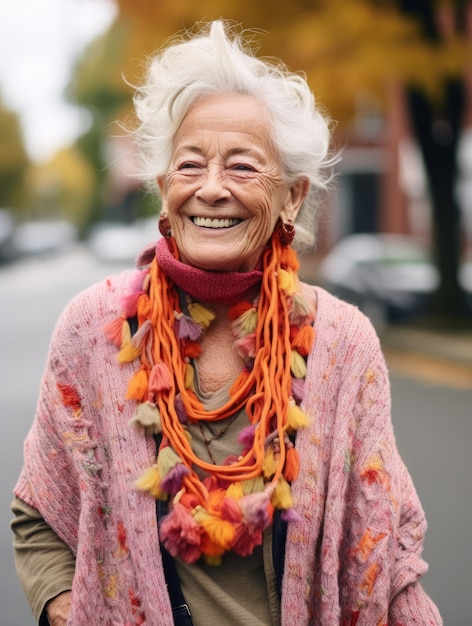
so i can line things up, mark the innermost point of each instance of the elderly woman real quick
(213, 437)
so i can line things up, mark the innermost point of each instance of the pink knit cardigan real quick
(355, 556)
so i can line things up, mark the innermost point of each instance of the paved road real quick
(433, 422)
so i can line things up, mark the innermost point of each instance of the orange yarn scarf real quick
(232, 506)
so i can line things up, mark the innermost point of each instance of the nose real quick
(213, 187)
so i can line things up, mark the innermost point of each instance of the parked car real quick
(389, 277)
(38, 237)
(121, 242)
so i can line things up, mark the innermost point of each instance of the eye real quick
(243, 167)
(188, 165)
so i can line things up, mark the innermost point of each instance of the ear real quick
(161, 183)
(296, 193)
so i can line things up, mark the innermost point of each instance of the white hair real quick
(218, 60)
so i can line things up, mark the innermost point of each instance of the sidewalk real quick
(435, 356)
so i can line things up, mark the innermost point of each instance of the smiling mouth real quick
(208, 222)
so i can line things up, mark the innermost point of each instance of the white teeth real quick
(208, 222)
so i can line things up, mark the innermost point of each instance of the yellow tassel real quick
(219, 531)
(253, 485)
(235, 491)
(286, 282)
(189, 377)
(282, 495)
(245, 323)
(200, 314)
(166, 460)
(270, 464)
(296, 418)
(199, 514)
(128, 353)
(151, 481)
(297, 364)
(137, 386)
(147, 418)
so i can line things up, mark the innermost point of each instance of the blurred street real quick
(431, 413)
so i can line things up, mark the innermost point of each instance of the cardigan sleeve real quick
(413, 606)
(388, 513)
(372, 525)
(44, 563)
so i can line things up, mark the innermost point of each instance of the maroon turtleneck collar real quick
(215, 287)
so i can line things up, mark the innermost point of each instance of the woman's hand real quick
(57, 610)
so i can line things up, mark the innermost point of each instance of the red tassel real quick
(238, 309)
(191, 349)
(113, 330)
(303, 340)
(159, 378)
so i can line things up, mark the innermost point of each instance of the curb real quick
(451, 347)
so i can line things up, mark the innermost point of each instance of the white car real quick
(390, 277)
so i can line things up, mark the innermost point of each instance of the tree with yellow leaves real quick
(14, 161)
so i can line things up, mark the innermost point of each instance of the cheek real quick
(177, 193)
(266, 198)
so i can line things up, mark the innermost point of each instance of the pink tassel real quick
(246, 346)
(141, 336)
(172, 483)
(246, 540)
(187, 328)
(255, 510)
(180, 409)
(129, 303)
(230, 510)
(114, 329)
(180, 534)
(290, 515)
(138, 281)
(159, 378)
(298, 388)
(231, 459)
(246, 436)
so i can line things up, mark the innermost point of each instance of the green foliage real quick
(14, 161)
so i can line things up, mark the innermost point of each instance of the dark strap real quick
(279, 539)
(180, 609)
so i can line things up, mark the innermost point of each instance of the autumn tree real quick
(14, 161)
(438, 123)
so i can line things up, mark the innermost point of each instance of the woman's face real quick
(225, 187)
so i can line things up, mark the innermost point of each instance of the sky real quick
(39, 41)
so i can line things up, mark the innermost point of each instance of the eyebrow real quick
(232, 152)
